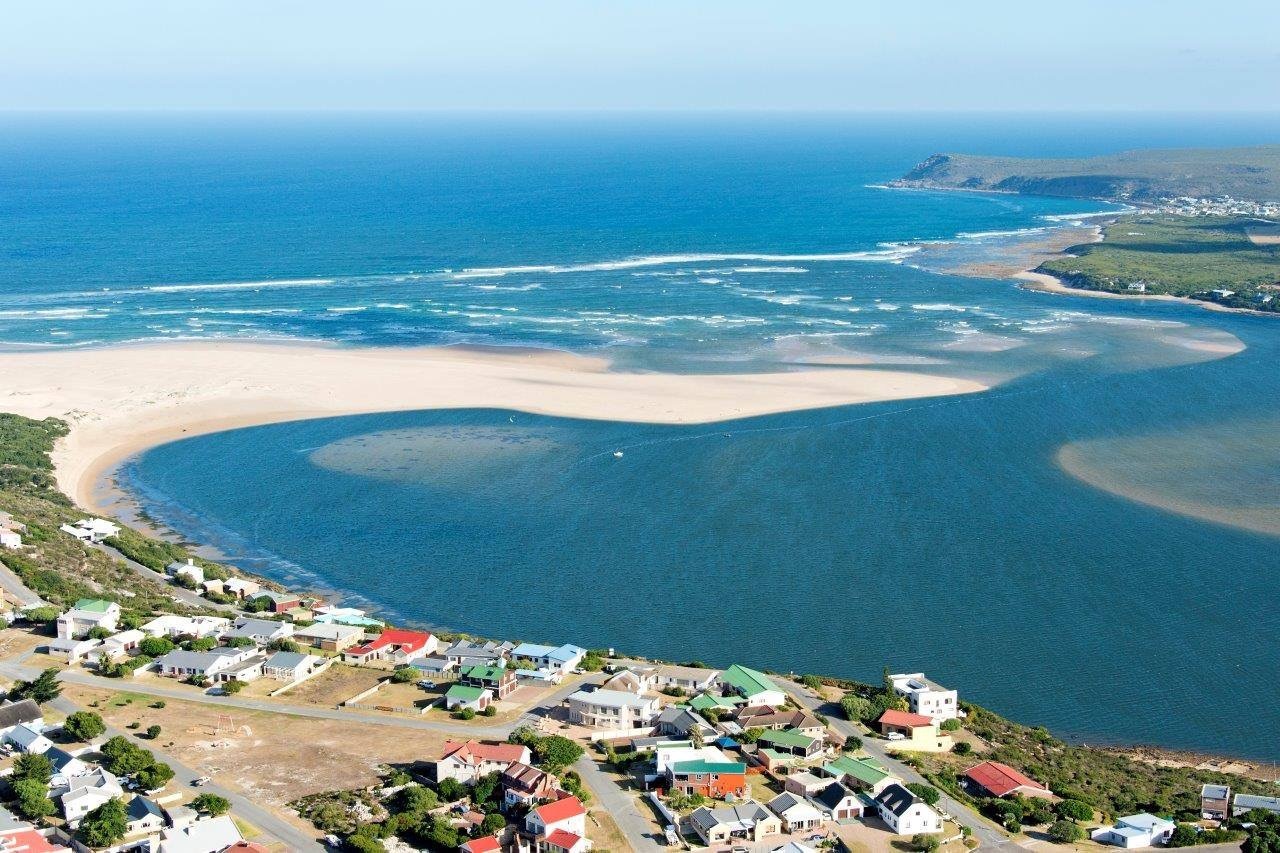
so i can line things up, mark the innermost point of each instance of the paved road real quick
(621, 805)
(15, 587)
(270, 823)
(987, 833)
(186, 596)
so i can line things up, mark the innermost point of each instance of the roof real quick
(140, 808)
(559, 810)
(1144, 821)
(93, 605)
(1253, 801)
(17, 713)
(563, 839)
(486, 844)
(483, 673)
(703, 701)
(743, 815)
(788, 801)
(687, 673)
(897, 799)
(409, 641)
(212, 834)
(1001, 780)
(612, 698)
(788, 739)
(704, 766)
(749, 682)
(832, 795)
(532, 650)
(906, 719)
(793, 847)
(1215, 792)
(475, 751)
(328, 631)
(465, 693)
(524, 776)
(287, 660)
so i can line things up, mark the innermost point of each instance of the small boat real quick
(617, 454)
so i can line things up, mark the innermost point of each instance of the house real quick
(715, 778)
(563, 841)
(838, 803)
(757, 717)
(905, 813)
(460, 696)
(926, 697)
(805, 783)
(22, 837)
(793, 847)
(565, 814)
(143, 815)
(397, 647)
(329, 637)
(993, 779)
(485, 844)
(561, 659)
(117, 647)
(189, 570)
(91, 529)
(667, 753)
(861, 774)
(777, 761)
(467, 761)
(611, 709)
(1245, 803)
(240, 587)
(792, 742)
(747, 819)
(466, 653)
(261, 631)
(212, 586)
(66, 768)
(715, 702)
(913, 731)
(87, 614)
(24, 712)
(276, 602)
(1138, 830)
(524, 785)
(30, 739)
(292, 666)
(680, 722)
(753, 685)
(173, 626)
(797, 813)
(328, 614)
(690, 679)
(216, 664)
(500, 680)
(203, 836)
(631, 680)
(72, 650)
(434, 666)
(1215, 802)
(85, 793)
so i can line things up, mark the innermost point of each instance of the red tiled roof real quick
(487, 844)
(559, 810)
(474, 750)
(410, 641)
(1001, 779)
(894, 717)
(246, 847)
(563, 839)
(31, 841)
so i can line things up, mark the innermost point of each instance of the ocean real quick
(954, 535)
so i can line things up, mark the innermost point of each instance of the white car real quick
(896, 736)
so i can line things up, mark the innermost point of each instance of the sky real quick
(1156, 55)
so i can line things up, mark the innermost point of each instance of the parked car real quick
(896, 736)
(426, 684)
(200, 782)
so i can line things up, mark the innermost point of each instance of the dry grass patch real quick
(336, 684)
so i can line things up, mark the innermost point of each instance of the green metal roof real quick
(863, 769)
(703, 701)
(465, 693)
(787, 738)
(703, 766)
(749, 682)
(93, 605)
(484, 673)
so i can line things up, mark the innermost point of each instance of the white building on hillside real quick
(1137, 830)
(926, 697)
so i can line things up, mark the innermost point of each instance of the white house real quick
(117, 646)
(1138, 830)
(565, 814)
(467, 761)
(240, 587)
(746, 819)
(87, 614)
(905, 813)
(73, 650)
(66, 768)
(926, 697)
(203, 836)
(91, 529)
(189, 569)
(143, 816)
(690, 679)
(173, 626)
(85, 793)
(560, 659)
(292, 666)
(666, 755)
(261, 631)
(29, 738)
(22, 713)
(612, 709)
(797, 813)
(219, 664)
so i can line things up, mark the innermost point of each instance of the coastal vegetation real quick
(1180, 256)
(1146, 175)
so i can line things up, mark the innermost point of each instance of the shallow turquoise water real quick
(932, 534)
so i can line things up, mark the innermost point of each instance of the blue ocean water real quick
(938, 534)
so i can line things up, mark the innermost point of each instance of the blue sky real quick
(580, 55)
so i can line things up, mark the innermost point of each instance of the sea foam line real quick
(890, 252)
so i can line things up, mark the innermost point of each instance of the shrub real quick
(1065, 831)
(404, 674)
(466, 714)
(925, 843)
(490, 711)
(232, 686)
(855, 707)
(105, 825)
(928, 793)
(32, 799)
(962, 748)
(813, 682)
(211, 804)
(156, 646)
(1073, 810)
(153, 732)
(951, 725)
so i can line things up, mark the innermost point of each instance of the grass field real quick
(1178, 256)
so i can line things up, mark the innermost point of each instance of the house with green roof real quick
(792, 741)
(861, 774)
(87, 614)
(754, 686)
(500, 680)
(461, 696)
(703, 701)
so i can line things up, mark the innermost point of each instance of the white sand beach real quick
(121, 400)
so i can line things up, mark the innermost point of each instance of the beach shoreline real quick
(121, 400)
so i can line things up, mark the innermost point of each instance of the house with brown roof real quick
(467, 761)
(993, 779)
(911, 731)
(524, 785)
(771, 719)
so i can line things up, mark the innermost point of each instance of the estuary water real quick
(1044, 546)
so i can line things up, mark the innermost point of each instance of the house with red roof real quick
(395, 646)
(467, 761)
(563, 815)
(911, 731)
(564, 841)
(18, 835)
(993, 779)
(486, 844)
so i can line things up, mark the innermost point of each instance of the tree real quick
(44, 688)
(41, 614)
(33, 799)
(153, 732)
(156, 646)
(962, 748)
(1066, 831)
(232, 686)
(97, 632)
(240, 642)
(451, 790)
(404, 674)
(813, 682)
(83, 725)
(416, 800)
(1183, 835)
(951, 725)
(854, 706)
(33, 766)
(105, 825)
(923, 842)
(211, 804)
(928, 793)
(155, 777)
(573, 784)
(1073, 810)
(361, 843)
(283, 645)
(556, 751)
(493, 823)
(202, 644)
(593, 662)
(124, 758)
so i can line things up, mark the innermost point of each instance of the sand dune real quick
(121, 400)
